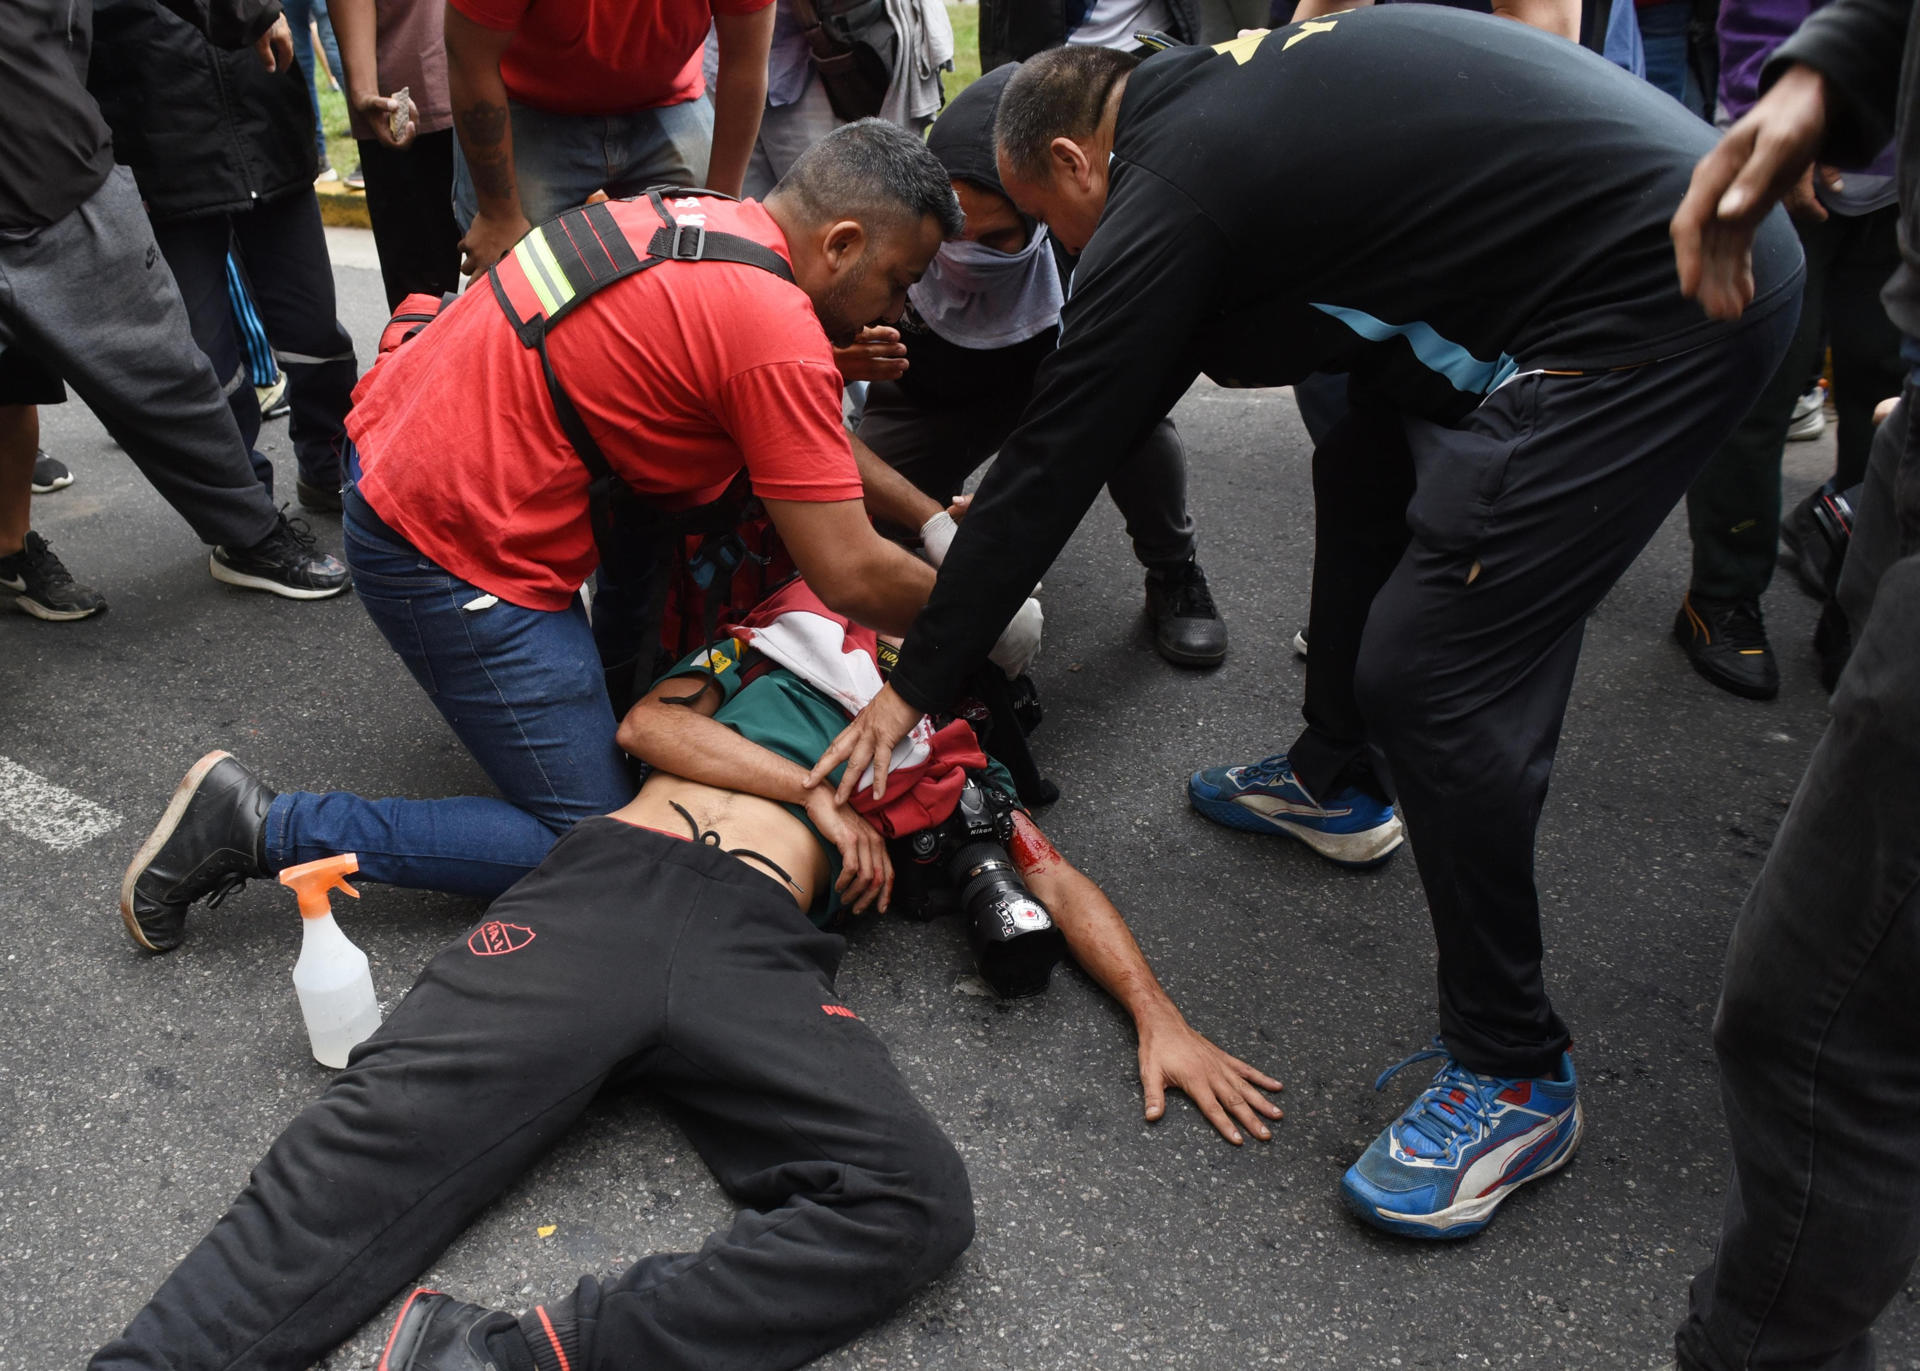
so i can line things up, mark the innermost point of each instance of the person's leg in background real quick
(1324, 791)
(1866, 371)
(786, 131)
(1733, 508)
(1463, 679)
(667, 146)
(36, 580)
(299, 14)
(1817, 1016)
(92, 298)
(268, 385)
(561, 159)
(409, 194)
(196, 252)
(1150, 490)
(284, 248)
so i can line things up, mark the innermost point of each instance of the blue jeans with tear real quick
(523, 690)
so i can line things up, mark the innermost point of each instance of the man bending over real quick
(677, 943)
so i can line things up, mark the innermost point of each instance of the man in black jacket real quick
(1014, 30)
(223, 153)
(84, 289)
(1552, 395)
(1817, 1019)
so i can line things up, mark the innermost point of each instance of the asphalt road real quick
(136, 1092)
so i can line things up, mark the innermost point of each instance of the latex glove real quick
(936, 536)
(1015, 651)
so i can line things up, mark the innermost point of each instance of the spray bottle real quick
(331, 977)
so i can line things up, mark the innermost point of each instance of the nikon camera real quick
(964, 861)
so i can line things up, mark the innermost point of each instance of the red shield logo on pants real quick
(495, 939)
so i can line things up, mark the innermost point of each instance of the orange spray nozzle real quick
(312, 880)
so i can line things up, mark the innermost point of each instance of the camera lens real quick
(1015, 942)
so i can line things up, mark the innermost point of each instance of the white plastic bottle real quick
(331, 979)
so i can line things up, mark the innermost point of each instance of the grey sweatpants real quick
(92, 299)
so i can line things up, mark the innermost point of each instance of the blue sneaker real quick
(1465, 1144)
(1352, 829)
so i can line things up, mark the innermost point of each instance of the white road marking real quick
(36, 808)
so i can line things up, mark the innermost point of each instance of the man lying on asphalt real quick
(679, 944)
(1533, 395)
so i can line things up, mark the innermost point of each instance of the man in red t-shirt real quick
(553, 101)
(467, 520)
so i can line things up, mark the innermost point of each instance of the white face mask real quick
(976, 297)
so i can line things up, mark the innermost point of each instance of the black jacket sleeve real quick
(228, 23)
(1857, 46)
(1127, 352)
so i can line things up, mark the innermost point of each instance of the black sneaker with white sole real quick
(49, 473)
(40, 584)
(285, 562)
(210, 841)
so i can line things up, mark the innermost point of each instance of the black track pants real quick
(627, 957)
(1454, 569)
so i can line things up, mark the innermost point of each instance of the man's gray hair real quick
(876, 172)
(1060, 93)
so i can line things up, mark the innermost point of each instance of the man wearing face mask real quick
(979, 324)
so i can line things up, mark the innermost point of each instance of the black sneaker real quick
(284, 562)
(1727, 643)
(321, 498)
(210, 840)
(436, 1332)
(49, 473)
(1814, 537)
(1187, 629)
(42, 587)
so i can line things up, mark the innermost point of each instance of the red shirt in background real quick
(683, 374)
(603, 56)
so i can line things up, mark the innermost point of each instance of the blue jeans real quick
(561, 159)
(300, 14)
(521, 688)
(1663, 34)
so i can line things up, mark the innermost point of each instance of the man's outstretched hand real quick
(1221, 1086)
(1760, 160)
(867, 741)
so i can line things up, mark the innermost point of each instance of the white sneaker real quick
(1809, 416)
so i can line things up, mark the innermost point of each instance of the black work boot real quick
(1187, 629)
(1727, 643)
(436, 1332)
(211, 839)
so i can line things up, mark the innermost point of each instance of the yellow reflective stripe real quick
(530, 267)
(543, 253)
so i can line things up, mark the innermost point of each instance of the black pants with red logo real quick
(627, 958)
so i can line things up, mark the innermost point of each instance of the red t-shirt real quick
(603, 56)
(683, 374)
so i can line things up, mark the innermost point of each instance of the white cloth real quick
(975, 297)
(926, 45)
(1112, 23)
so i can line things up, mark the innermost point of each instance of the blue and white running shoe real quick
(1351, 829)
(1463, 1146)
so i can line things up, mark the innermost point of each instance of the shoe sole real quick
(226, 575)
(1193, 659)
(60, 484)
(182, 796)
(1300, 646)
(1461, 1220)
(1806, 430)
(406, 1349)
(1355, 851)
(52, 615)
